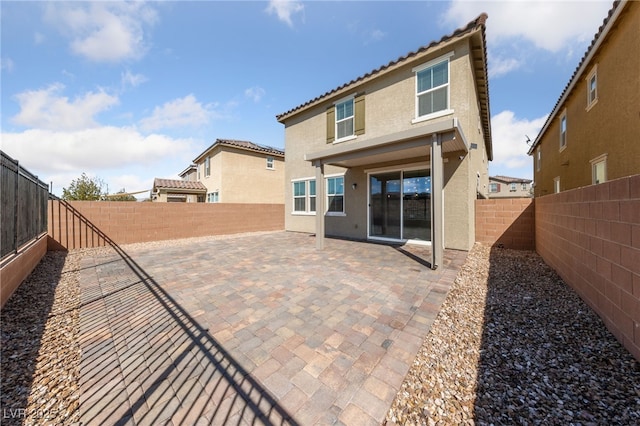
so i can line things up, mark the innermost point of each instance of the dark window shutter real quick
(331, 124)
(359, 113)
(498, 187)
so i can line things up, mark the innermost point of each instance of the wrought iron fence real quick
(23, 206)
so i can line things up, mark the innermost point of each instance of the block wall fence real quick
(509, 223)
(591, 237)
(86, 224)
(18, 267)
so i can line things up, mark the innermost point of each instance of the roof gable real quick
(178, 184)
(244, 145)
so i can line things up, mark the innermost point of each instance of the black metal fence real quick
(23, 206)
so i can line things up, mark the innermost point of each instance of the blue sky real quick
(131, 91)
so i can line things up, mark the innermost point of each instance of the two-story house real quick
(236, 171)
(593, 133)
(398, 154)
(509, 187)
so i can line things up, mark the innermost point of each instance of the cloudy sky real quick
(131, 91)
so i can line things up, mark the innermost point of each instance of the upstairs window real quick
(563, 131)
(432, 88)
(270, 163)
(494, 187)
(207, 167)
(592, 87)
(344, 119)
(524, 186)
(513, 187)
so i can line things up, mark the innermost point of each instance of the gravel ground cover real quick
(511, 345)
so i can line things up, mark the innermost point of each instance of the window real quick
(556, 184)
(335, 194)
(538, 159)
(344, 119)
(599, 169)
(513, 187)
(270, 163)
(592, 87)
(432, 87)
(524, 186)
(563, 131)
(494, 187)
(207, 167)
(213, 197)
(304, 196)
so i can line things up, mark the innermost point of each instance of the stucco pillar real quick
(320, 209)
(437, 220)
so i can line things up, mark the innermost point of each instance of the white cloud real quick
(509, 140)
(254, 93)
(38, 38)
(6, 64)
(131, 183)
(73, 152)
(47, 109)
(499, 66)
(103, 31)
(133, 80)
(180, 112)
(285, 9)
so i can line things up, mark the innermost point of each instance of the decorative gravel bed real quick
(513, 344)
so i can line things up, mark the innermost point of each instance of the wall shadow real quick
(546, 357)
(22, 321)
(146, 360)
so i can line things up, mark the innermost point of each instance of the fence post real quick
(15, 211)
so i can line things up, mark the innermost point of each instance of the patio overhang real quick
(428, 141)
(397, 146)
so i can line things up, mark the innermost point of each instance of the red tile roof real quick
(178, 184)
(507, 179)
(246, 145)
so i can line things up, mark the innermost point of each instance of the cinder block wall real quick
(591, 237)
(506, 222)
(91, 223)
(20, 266)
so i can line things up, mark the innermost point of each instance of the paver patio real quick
(253, 329)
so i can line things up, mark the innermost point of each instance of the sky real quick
(129, 91)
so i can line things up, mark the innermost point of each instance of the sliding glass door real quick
(400, 205)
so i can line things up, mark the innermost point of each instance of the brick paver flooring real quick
(253, 329)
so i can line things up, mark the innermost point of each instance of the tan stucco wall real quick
(390, 108)
(241, 176)
(611, 126)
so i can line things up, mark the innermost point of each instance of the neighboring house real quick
(592, 134)
(177, 191)
(398, 154)
(190, 173)
(241, 172)
(509, 187)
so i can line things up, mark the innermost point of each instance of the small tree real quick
(84, 188)
(123, 197)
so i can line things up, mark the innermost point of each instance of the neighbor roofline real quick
(263, 149)
(605, 28)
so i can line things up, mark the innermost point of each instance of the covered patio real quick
(253, 329)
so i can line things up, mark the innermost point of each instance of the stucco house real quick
(509, 187)
(235, 171)
(177, 191)
(592, 134)
(398, 154)
(190, 173)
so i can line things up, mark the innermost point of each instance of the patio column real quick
(437, 207)
(320, 209)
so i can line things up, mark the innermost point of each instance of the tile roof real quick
(508, 179)
(478, 22)
(247, 145)
(178, 184)
(595, 43)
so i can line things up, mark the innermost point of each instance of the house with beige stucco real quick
(235, 171)
(399, 154)
(509, 187)
(593, 132)
(177, 191)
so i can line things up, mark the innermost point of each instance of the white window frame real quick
(352, 117)
(213, 197)
(513, 187)
(601, 159)
(538, 159)
(271, 163)
(207, 166)
(327, 195)
(307, 196)
(523, 186)
(592, 95)
(563, 131)
(494, 187)
(448, 110)
(556, 184)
